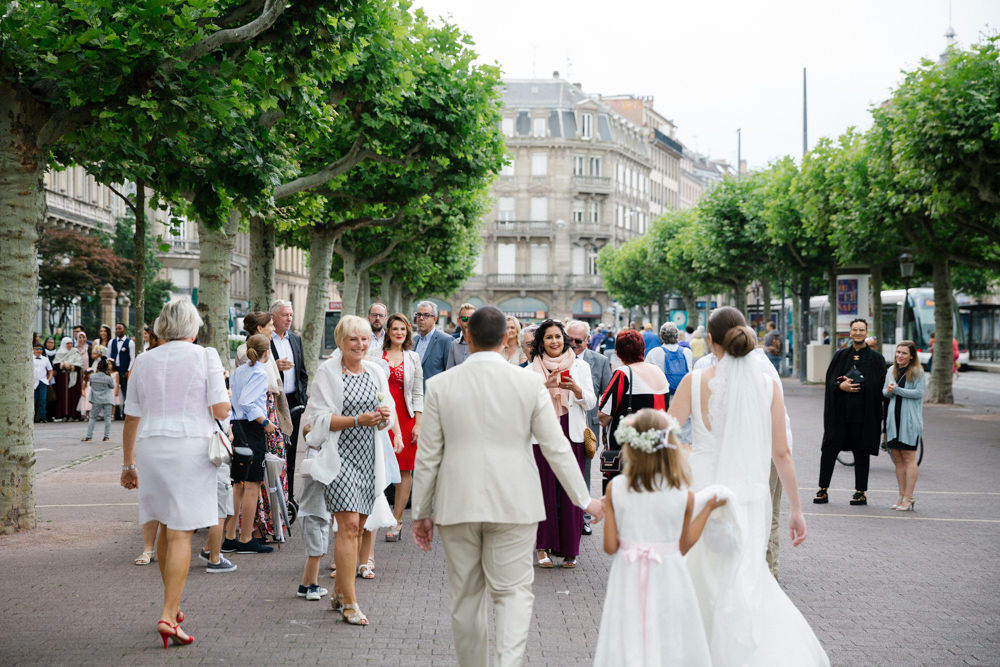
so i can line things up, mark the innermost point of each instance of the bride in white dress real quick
(738, 428)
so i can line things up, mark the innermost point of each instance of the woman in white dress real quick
(174, 391)
(738, 429)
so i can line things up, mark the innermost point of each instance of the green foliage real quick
(157, 289)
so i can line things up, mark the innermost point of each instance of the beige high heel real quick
(906, 508)
(899, 501)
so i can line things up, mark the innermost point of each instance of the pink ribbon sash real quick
(646, 552)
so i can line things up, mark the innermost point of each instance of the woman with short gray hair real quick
(674, 359)
(174, 390)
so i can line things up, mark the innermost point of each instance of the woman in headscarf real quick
(67, 364)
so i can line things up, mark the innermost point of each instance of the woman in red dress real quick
(406, 384)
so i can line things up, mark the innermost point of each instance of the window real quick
(477, 270)
(181, 278)
(538, 127)
(595, 166)
(595, 211)
(506, 258)
(579, 261)
(506, 209)
(539, 209)
(592, 257)
(586, 126)
(508, 168)
(508, 127)
(578, 165)
(539, 258)
(578, 208)
(539, 164)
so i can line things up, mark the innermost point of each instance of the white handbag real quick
(220, 450)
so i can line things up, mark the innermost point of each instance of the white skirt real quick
(177, 482)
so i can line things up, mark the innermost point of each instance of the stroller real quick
(282, 513)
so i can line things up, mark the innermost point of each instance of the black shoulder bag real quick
(611, 459)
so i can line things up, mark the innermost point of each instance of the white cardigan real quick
(413, 379)
(326, 398)
(580, 372)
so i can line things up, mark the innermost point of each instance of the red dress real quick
(404, 420)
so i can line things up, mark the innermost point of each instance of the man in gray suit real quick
(600, 370)
(430, 343)
(460, 347)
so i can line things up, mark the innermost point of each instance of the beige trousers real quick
(772, 543)
(497, 556)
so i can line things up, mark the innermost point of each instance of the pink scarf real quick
(545, 365)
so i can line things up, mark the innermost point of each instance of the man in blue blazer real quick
(430, 343)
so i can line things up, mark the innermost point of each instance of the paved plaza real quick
(879, 587)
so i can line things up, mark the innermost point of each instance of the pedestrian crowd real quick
(374, 421)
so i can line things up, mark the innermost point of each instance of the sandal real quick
(367, 571)
(146, 558)
(569, 562)
(357, 618)
(544, 561)
(337, 601)
(899, 501)
(393, 535)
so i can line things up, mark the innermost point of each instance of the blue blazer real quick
(436, 357)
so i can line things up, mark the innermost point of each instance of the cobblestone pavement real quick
(879, 587)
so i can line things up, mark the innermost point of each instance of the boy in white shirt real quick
(43, 376)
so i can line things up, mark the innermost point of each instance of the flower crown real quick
(648, 441)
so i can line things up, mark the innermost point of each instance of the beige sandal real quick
(544, 560)
(357, 618)
(367, 571)
(146, 558)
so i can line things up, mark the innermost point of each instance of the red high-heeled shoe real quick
(172, 634)
(180, 616)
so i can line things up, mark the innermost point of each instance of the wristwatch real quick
(266, 422)
(127, 468)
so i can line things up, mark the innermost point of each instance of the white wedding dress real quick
(748, 619)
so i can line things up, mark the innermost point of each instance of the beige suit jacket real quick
(474, 460)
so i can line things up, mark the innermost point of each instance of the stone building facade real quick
(579, 179)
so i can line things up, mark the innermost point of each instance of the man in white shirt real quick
(475, 477)
(377, 316)
(286, 348)
(43, 375)
(768, 369)
(122, 352)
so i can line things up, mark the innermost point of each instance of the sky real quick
(714, 66)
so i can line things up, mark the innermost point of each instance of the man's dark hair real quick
(689, 330)
(121, 323)
(771, 325)
(859, 319)
(487, 327)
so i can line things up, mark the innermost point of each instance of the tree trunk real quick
(397, 301)
(802, 334)
(831, 311)
(365, 293)
(877, 304)
(22, 210)
(662, 306)
(320, 261)
(262, 257)
(740, 299)
(352, 282)
(765, 288)
(939, 390)
(213, 283)
(139, 262)
(691, 305)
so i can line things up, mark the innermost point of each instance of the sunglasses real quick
(465, 318)
(577, 341)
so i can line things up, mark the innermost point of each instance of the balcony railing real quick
(185, 246)
(521, 280)
(518, 227)
(590, 229)
(586, 281)
(592, 183)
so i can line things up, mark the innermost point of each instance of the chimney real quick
(555, 75)
(578, 86)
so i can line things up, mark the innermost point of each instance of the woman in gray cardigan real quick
(102, 399)
(904, 387)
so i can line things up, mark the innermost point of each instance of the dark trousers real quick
(293, 443)
(123, 385)
(862, 461)
(41, 400)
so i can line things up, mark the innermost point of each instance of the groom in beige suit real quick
(475, 477)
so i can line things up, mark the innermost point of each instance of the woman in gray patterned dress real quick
(349, 399)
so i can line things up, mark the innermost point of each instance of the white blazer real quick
(475, 461)
(580, 372)
(413, 381)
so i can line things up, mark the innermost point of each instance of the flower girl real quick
(651, 615)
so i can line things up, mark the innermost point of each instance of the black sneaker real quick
(229, 546)
(859, 498)
(587, 530)
(205, 556)
(821, 497)
(253, 547)
(224, 565)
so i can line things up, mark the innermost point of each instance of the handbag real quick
(611, 459)
(220, 450)
(589, 443)
(242, 460)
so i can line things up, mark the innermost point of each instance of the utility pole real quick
(800, 345)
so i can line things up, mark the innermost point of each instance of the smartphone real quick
(564, 376)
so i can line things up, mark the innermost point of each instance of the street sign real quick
(334, 306)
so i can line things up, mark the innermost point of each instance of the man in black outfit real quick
(852, 415)
(286, 347)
